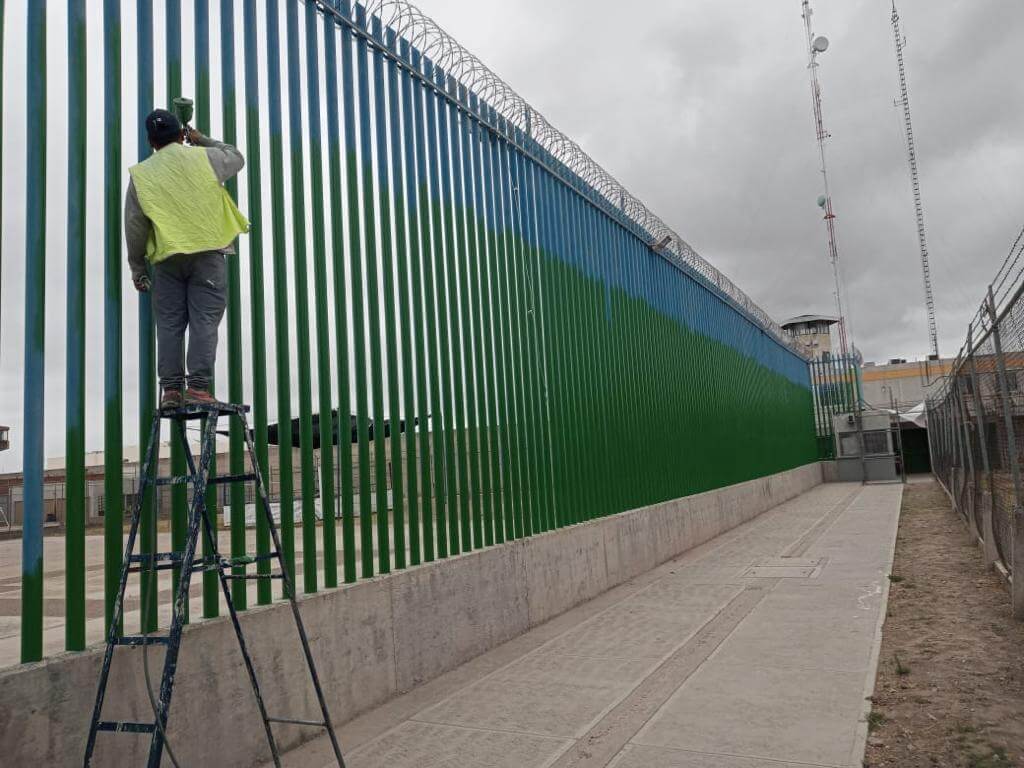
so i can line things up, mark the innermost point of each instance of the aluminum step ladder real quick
(188, 563)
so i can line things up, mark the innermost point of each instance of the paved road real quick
(756, 650)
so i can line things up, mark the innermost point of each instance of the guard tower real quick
(812, 333)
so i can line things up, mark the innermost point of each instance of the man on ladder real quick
(179, 218)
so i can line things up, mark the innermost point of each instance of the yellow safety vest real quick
(190, 210)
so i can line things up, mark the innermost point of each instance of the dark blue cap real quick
(162, 127)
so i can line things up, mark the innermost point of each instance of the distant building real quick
(813, 333)
(905, 383)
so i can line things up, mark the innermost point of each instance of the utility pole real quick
(815, 46)
(929, 301)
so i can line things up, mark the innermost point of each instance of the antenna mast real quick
(814, 47)
(929, 302)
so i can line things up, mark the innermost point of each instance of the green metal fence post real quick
(179, 493)
(340, 268)
(35, 338)
(398, 123)
(113, 472)
(458, 490)
(281, 313)
(211, 584)
(150, 597)
(387, 283)
(297, 157)
(323, 339)
(264, 594)
(74, 535)
(419, 238)
(236, 394)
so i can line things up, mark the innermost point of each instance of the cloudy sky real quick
(703, 111)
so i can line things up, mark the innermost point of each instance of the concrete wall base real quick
(371, 640)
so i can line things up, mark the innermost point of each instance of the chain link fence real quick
(976, 424)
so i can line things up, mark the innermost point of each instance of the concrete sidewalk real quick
(756, 649)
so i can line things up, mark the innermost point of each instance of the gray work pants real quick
(190, 291)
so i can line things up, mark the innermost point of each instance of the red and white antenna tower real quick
(929, 302)
(815, 46)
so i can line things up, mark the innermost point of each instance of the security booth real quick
(865, 448)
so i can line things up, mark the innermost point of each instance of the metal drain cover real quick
(785, 568)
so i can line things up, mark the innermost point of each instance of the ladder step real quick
(143, 640)
(294, 721)
(158, 556)
(163, 561)
(248, 477)
(121, 726)
(196, 411)
(179, 480)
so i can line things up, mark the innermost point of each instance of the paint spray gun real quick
(182, 108)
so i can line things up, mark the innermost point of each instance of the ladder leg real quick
(225, 588)
(181, 598)
(290, 592)
(117, 614)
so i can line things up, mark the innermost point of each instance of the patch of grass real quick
(901, 669)
(895, 579)
(965, 728)
(875, 720)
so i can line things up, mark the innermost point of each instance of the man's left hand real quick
(142, 284)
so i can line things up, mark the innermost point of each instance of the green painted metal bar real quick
(323, 338)
(482, 328)
(517, 303)
(372, 300)
(179, 493)
(35, 337)
(444, 422)
(513, 367)
(236, 391)
(387, 273)
(281, 312)
(456, 476)
(419, 236)
(502, 329)
(572, 320)
(113, 397)
(591, 342)
(529, 312)
(483, 534)
(537, 319)
(357, 257)
(545, 246)
(340, 265)
(74, 534)
(211, 582)
(302, 322)
(257, 304)
(398, 123)
(147, 333)
(433, 271)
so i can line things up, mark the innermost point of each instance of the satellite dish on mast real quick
(820, 44)
(821, 201)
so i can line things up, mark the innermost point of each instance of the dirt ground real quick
(950, 686)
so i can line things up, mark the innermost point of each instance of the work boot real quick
(199, 397)
(171, 399)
